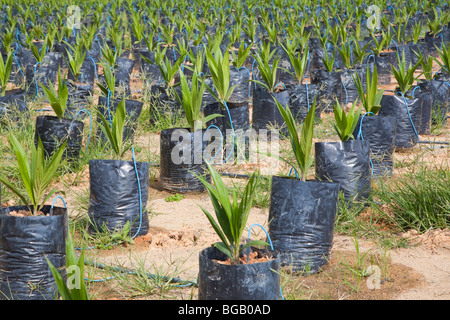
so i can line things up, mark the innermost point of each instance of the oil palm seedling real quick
(301, 147)
(111, 179)
(231, 256)
(231, 214)
(345, 122)
(289, 203)
(371, 97)
(219, 66)
(267, 68)
(37, 174)
(58, 99)
(239, 57)
(113, 130)
(5, 72)
(72, 286)
(75, 58)
(405, 74)
(444, 59)
(299, 62)
(191, 101)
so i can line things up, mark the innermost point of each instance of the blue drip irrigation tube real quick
(360, 134)
(140, 195)
(182, 283)
(410, 119)
(17, 62)
(35, 81)
(270, 242)
(222, 138)
(95, 67)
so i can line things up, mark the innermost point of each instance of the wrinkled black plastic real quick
(239, 119)
(330, 87)
(300, 101)
(380, 132)
(440, 92)
(43, 73)
(123, 73)
(407, 118)
(301, 221)
(346, 163)
(181, 156)
(79, 98)
(24, 58)
(163, 100)
(266, 115)
(240, 78)
(53, 132)
(114, 195)
(384, 63)
(423, 125)
(254, 281)
(151, 72)
(239, 116)
(14, 101)
(133, 110)
(25, 243)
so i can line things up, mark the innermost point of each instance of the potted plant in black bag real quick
(299, 205)
(300, 94)
(108, 102)
(439, 91)
(33, 231)
(52, 130)
(231, 269)
(182, 149)
(378, 130)
(346, 162)
(5, 72)
(118, 188)
(266, 91)
(236, 118)
(402, 106)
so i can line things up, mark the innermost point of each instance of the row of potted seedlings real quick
(295, 207)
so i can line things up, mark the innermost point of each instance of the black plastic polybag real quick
(255, 281)
(440, 92)
(240, 77)
(181, 157)
(346, 163)
(133, 109)
(330, 87)
(301, 98)
(384, 63)
(301, 221)
(407, 118)
(380, 132)
(114, 195)
(53, 132)
(233, 130)
(25, 243)
(151, 72)
(13, 103)
(266, 115)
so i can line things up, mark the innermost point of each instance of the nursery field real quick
(312, 137)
